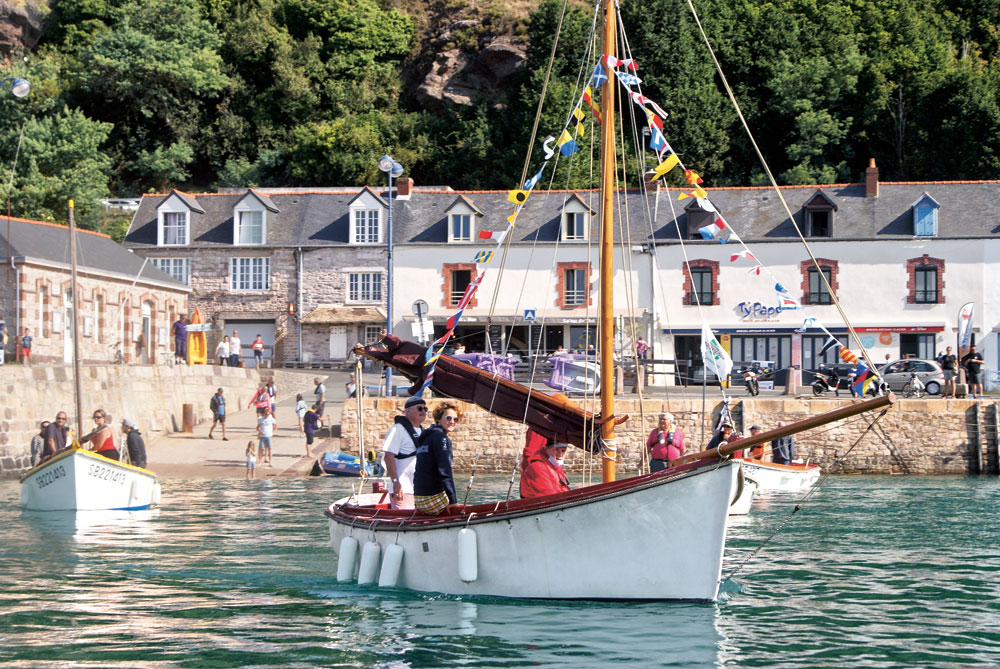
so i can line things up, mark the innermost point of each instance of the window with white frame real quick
(175, 228)
(250, 227)
(178, 268)
(574, 226)
(460, 229)
(576, 287)
(364, 287)
(250, 274)
(366, 227)
(372, 333)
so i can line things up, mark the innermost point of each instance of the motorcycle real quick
(825, 382)
(750, 381)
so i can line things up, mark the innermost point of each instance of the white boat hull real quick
(661, 540)
(771, 476)
(741, 506)
(78, 480)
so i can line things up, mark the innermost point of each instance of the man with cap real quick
(400, 447)
(133, 441)
(725, 434)
(542, 470)
(757, 452)
(783, 449)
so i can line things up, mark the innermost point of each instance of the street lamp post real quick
(392, 170)
(18, 86)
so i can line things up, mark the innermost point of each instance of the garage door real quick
(248, 332)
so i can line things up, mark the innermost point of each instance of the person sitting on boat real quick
(400, 449)
(665, 443)
(102, 438)
(758, 452)
(542, 470)
(783, 449)
(433, 484)
(725, 434)
(134, 443)
(38, 444)
(55, 437)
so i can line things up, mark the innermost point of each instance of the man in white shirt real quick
(320, 395)
(265, 431)
(400, 448)
(234, 349)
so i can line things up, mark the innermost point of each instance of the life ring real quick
(371, 455)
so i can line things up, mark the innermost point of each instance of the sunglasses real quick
(96, 416)
(451, 418)
(421, 409)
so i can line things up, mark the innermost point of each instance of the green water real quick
(874, 571)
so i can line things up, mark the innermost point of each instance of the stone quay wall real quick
(932, 436)
(150, 395)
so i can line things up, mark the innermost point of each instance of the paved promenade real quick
(194, 455)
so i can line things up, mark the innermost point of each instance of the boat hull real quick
(78, 480)
(771, 476)
(741, 506)
(660, 539)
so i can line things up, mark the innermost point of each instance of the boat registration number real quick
(106, 474)
(51, 476)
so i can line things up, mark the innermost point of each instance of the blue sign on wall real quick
(529, 315)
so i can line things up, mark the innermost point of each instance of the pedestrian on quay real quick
(3, 339)
(973, 363)
(311, 423)
(433, 482)
(134, 444)
(234, 349)
(26, 342)
(320, 395)
(218, 407)
(641, 348)
(949, 363)
(258, 351)
(262, 400)
(265, 433)
(783, 449)
(300, 411)
(222, 351)
(664, 443)
(180, 339)
(38, 444)
(273, 394)
(400, 450)
(251, 460)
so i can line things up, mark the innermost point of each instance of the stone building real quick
(123, 302)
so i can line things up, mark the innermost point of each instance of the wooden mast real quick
(71, 326)
(606, 315)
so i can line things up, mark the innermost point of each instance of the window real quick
(175, 229)
(366, 226)
(372, 333)
(818, 294)
(460, 280)
(818, 223)
(461, 228)
(926, 288)
(701, 286)
(698, 218)
(575, 226)
(925, 216)
(576, 287)
(178, 268)
(364, 287)
(250, 274)
(250, 227)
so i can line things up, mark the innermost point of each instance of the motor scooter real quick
(750, 381)
(825, 382)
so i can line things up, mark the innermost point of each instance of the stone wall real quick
(153, 396)
(915, 437)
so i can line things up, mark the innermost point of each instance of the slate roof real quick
(314, 218)
(49, 243)
(330, 314)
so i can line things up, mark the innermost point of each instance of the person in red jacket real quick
(541, 466)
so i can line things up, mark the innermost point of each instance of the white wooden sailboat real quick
(76, 479)
(773, 476)
(605, 541)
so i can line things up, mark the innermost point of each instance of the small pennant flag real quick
(861, 379)
(517, 196)
(548, 150)
(530, 183)
(496, 235)
(785, 300)
(588, 96)
(807, 323)
(484, 256)
(742, 254)
(847, 356)
(610, 61)
(664, 167)
(830, 343)
(692, 177)
(657, 142)
(629, 63)
(511, 219)
(697, 192)
(599, 77)
(755, 270)
(628, 79)
(715, 230)
(566, 145)
(578, 115)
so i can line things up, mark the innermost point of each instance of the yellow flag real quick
(517, 196)
(578, 115)
(512, 218)
(664, 167)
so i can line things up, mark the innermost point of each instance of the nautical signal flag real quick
(497, 235)
(566, 145)
(484, 256)
(664, 167)
(745, 253)
(657, 142)
(599, 77)
(847, 356)
(718, 230)
(785, 300)
(530, 183)
(830, 343)
(861, 379)
(628, 79)
(588, 97)
(697, 192)
(692, 177)
(517, 196)
(578, 115)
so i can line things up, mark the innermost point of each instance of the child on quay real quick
(251, 460)
(300, 411)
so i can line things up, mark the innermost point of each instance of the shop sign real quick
(756, 311)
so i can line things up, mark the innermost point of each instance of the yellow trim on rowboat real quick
(62, 455)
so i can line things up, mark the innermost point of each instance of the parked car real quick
(897, 373)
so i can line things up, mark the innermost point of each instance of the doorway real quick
(338, 342)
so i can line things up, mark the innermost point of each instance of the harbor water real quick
(872, 571)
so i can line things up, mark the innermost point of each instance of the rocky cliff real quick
(21, 25)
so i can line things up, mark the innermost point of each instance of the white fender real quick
(156, 494)
(370, 555)
(468, 555)
(346, 557)
(389, 576)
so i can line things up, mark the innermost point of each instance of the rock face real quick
(20, 26)
(464, 78)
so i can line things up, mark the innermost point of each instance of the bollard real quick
(187, 420)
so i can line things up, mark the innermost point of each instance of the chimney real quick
(651, 185)
(871, 179)
(403, 187)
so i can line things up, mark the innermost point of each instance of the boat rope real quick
(812, 491)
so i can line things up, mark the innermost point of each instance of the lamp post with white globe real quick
(18, 86)
(392, 170)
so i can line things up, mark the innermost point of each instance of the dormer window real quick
(173, 219)
(250, 219)
(250, 227)
(366, 226)
(575, 220)
(925, 216)
(818, 213)
(460, 229)
(175, 228)
(700, 214)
